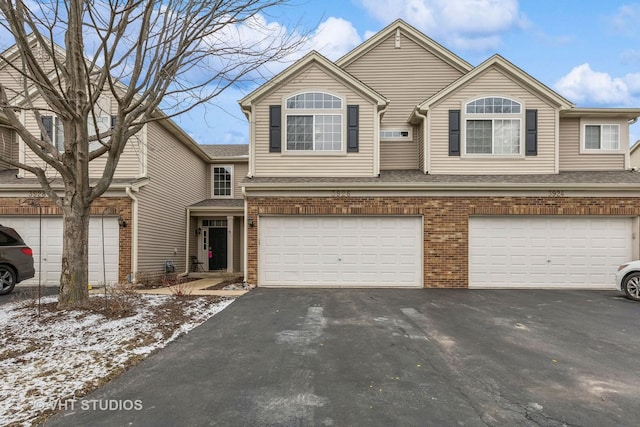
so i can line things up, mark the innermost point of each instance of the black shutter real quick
(531, 135)
(47, 124)
(454, 132)
(353, 112)
(275, 129)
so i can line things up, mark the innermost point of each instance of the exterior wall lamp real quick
(121, 222)
(198, 231)
(250, 222)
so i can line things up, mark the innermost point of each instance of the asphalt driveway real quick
(27, 292)
(389, 358)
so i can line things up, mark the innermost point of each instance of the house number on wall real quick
(341, 193)
(556, 193)
(36, 194)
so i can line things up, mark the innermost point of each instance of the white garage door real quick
(547, 252)
(340, 251)
(29, 229)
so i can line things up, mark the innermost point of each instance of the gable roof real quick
(497, 61)
(313, 57)
(600, 113)
(635, 146)
(417, 36)
(13, 52)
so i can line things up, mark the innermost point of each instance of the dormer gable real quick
(396, 28)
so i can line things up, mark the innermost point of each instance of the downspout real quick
(246, 240)
(187, 264)
(134, 232)
(627, 157)
(376, 130)
(424, 139)
(248, 113)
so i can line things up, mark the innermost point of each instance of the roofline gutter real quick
(215, 209)
(441, 186)
(60, 187)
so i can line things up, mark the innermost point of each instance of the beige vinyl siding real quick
(10, 79)
(491, 83)
(313, 78)
(8, 147)
(572, 160)
(238, 227)
(239, 173)
(176, 181)
(395, 155)
(130, 164)
(634, 158)
(193, 238)
(406, 76)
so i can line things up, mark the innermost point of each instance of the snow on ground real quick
(62, 355)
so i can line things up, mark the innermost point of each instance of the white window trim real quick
(623, 139)
(213, 179)
(408, 130)
(342, 112)
(464, 117)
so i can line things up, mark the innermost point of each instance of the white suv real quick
(628, 280)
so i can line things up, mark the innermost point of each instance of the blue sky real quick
(587, 50)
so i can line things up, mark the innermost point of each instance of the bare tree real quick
(145, 55)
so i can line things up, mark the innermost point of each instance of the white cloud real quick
(221, 121)
(334, 38)
(464, 24)
(584, 85)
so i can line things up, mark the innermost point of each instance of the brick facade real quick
(107, 205)
(446, 222)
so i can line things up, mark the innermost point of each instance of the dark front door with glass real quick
(217, 248)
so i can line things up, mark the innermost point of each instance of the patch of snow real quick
(60, 355)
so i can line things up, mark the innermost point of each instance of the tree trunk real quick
(74, 278)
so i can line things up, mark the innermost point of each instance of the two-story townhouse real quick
(402, 165)
(136, 226)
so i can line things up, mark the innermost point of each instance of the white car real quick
(628, 280)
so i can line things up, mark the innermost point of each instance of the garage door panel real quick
(346, 251)
(551, 251)
(52, 239)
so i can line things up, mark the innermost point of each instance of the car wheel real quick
(631, 286)
(7, 279)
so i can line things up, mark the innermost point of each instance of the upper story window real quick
(314, 100)
(493, 126)
(314, 122)
(103, 121)
(602, 137)
(222, 181)
(53, 126)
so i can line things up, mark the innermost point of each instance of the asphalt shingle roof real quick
(219, 203)
(415, 176)
(226, 150)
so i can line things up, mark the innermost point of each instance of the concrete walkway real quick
(196, 287)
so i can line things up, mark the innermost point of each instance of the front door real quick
(217, 248)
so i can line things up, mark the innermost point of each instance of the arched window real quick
(314, 122)
(314, 100)
(493, 126)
